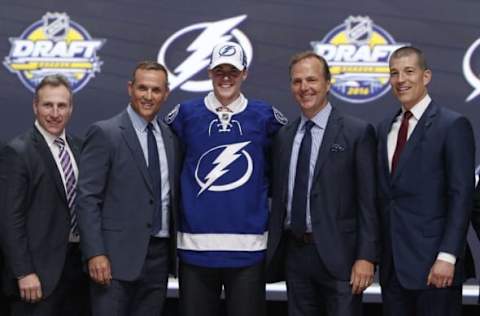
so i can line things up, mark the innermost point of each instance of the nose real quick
(55, 111)
(148, 94)
(303, 85)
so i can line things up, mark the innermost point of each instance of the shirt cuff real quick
(444, 256)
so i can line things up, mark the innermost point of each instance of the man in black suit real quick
(426, 155)
(4, 303)
(127, 201)
(38, 224)
(323, 230)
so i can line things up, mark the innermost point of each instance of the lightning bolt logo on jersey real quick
(224, 203)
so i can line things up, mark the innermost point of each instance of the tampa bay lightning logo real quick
(221, 169)
(227, 50)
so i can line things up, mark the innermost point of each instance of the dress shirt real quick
(320, 123)
(55, 150)
(417, 111)
(140, 126)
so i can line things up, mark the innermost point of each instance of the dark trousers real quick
(201, 288)
(70, 296)
(142, 297)
(311, 289)
(398, 301)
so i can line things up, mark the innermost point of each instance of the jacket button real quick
(151, 201)
(149, 225)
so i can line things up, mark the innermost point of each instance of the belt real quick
(305, 238)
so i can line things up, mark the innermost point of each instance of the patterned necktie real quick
(300, 188)
(401, 140)
(155, 174)
(70, 183)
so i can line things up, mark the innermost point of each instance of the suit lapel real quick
(285, 154)
(334, 125)
(49, 161)
(169, 152)
(383, 134)
(130, 136)
(415, 138)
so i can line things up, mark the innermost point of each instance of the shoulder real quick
(267, 110)
(184, 108)
(352, 122)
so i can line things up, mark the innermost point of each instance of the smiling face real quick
(148, 91)
(53, 108)
(227, 82)
(409, 80)
(309, 85)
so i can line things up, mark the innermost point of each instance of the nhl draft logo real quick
(187, 73)
(54, 44)
(224, 168)
(471, 69)
(357, 52)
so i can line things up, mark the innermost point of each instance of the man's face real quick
(227, 81)
(148, 92)
(309, 86)
(53, 108)
(409, 81)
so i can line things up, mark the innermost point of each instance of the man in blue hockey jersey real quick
(223, 227)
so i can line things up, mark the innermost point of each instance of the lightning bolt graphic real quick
(201, 49)
(226, 158)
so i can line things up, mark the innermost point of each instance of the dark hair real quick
(310, 54)
(150, 65)
(55, 80)
(408, 51)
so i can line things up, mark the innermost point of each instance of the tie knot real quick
(150, 127)
(59, 142)
(407, 115)
(308, 125)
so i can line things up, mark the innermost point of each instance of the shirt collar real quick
(419, 108)
(139, 123)
(238, 105)
(49, 138)
(320, 119)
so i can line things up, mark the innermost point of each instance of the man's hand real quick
(99, 269)
(30, 288)
(441, 274)
(362, 276)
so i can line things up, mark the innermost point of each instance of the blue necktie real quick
(300, 188)
(155, 175)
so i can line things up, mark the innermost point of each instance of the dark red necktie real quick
(401, 140)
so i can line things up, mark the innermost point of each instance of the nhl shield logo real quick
(358, 29)
(56, 25)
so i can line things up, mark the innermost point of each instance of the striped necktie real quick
(70, 183)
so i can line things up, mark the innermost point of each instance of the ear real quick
(34, 106)
(427, 76)
(130, 88)
(245, 74)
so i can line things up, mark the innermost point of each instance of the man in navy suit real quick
(426, 183)
(127, 201)
(38, 227)
(323, 229)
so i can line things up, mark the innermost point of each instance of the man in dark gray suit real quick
(38, 226)
(323, 230)
(127, 201)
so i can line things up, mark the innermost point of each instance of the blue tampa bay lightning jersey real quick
(224, 185)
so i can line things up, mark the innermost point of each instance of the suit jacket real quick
(425, 206)
(115, 201)
(35, 218)
(342, 197)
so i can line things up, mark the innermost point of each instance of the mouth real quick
(402, 89)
